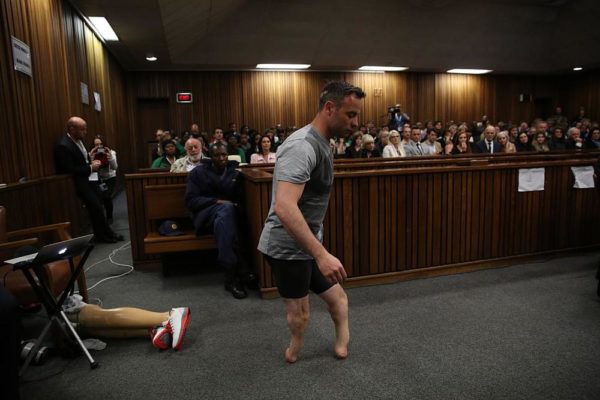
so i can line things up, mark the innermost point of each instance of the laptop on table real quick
(55, 251)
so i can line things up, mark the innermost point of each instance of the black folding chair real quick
(33, 271)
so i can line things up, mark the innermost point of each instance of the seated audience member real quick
(523, 127)
(245, 144)
(462, 145)
(217, 137)
(340, 148)
(513, 134)
(369, 150)
(431, 145)
(166, 329)
(193, 150)
(593, 139)
(167, 135)
(393, 149)
(523, 143)
(488, 144)
(414, 148)
(353, 151)
(266, 156)
(574, 140)
(107, 174)
(558, 120)
(233, 147)
(540, 144)
(255, 146)
(157, 151)
(382, 140)
(557, 140)
(169, 156)
(405, 135)
(586, 126)
(213, 194)
(507, 146)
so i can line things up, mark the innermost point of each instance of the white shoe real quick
(179, 319)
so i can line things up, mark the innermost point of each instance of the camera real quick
(102, 156)
(393, 110)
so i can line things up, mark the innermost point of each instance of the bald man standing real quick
(71, 157)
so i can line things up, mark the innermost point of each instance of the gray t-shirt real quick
(304, 157)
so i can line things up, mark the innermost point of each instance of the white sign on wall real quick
(531, 179)
(97, 103)
(85, 94)
(21, 56)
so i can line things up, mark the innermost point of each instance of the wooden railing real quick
(43, 201)
(407, 218)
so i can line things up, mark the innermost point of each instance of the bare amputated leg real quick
(94, 317)
(297, 318)
(337, 303)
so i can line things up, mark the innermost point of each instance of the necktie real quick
(419, 148)
(490, 146)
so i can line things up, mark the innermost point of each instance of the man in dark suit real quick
(489, 144)
(71, 157)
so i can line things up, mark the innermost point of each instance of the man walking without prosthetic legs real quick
(291, 238)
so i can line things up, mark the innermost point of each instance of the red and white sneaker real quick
(161, 336)
(179, 319)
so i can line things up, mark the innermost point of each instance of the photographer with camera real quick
(107, 174)
(397, 118)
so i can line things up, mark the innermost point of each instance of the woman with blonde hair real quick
(394, 149)
(507, 146)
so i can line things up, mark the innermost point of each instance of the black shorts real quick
(295, 277)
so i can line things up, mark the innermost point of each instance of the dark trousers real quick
(95, 209)
(221, 220)
(9, 345)
(107, 196)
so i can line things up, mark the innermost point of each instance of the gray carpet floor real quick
(528, 331)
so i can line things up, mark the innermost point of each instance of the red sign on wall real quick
(184, 97)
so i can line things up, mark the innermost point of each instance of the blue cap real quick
(169, 228)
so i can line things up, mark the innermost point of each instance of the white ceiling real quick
(508, 36)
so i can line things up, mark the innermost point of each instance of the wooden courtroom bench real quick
(166, 202)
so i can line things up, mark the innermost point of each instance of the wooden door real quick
(153, 114)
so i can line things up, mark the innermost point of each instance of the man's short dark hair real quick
(215, 146)
(336, 91)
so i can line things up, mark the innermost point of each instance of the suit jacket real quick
(68, 159)
(205, 186)
(481, 147)
(412, 150)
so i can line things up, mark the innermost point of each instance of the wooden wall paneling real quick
(348, 256)
(413, 211)
(373, 209)
(8, 169)
(64, 52)
(380, 218)
(437, 213)
(353, 208)
(501, 210)
(403, 222)
(423, 227)
(455, 199)
(420, 96)
(373, 85)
